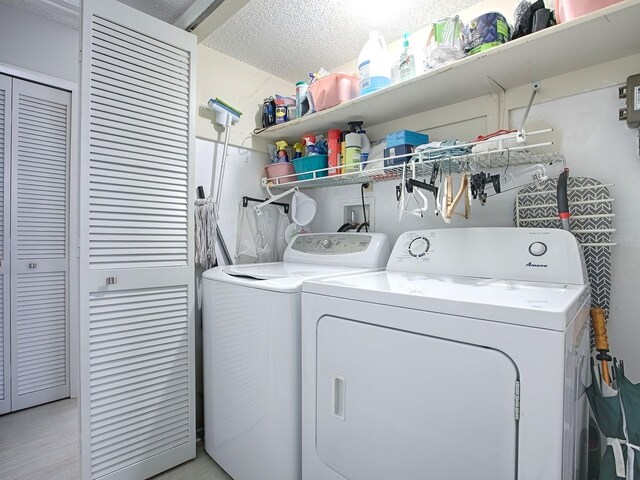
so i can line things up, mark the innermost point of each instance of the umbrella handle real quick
(563, 199)
(602, 341)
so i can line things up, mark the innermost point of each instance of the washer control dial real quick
(418, 247)
(537, 249)
(326, 243)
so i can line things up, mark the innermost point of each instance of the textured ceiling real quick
(290, 38)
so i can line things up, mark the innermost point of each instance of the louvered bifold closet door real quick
(137, 326)
(39, 242)
(5, 278)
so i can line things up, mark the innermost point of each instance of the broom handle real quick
(601, 340)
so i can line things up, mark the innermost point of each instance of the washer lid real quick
(542, 305)
(268, 271)
(276, 276)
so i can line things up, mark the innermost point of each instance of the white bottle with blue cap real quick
(374, 65)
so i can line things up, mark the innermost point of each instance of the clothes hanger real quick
(463, 193)
(443, 194)
(412, 183)
(449, 202)
(419, 197)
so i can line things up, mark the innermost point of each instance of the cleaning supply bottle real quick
(353, 148)
(407, 60)
(298, 150)
(310, 144)
(374, 65)
(365, 146)
(333, 155)
(282, 156)
(301, 96)
(343, 150)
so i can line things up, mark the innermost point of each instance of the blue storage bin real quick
(309, 164)
(406, 137)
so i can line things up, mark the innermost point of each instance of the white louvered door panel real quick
(39, 235)
(5, 186)
(137, 337)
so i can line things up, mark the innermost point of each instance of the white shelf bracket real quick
(274, 198)
(500, 117)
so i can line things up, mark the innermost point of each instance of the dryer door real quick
(394, 404)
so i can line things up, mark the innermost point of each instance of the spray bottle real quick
(407, 61)
(343, 150)
(298, 147)
(353, 147)
(333, 146)
(282, 156)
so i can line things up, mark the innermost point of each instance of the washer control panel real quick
(331, 243)
(360, 250)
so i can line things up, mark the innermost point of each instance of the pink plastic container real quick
(284, 170)
(333, 90)
(569, 9)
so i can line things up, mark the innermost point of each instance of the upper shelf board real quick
(602, 36)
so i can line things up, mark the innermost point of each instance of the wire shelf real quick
(423, 163)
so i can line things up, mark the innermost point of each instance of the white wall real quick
(240, 85)
(35, 43)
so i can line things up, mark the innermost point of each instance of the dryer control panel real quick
(520, 254)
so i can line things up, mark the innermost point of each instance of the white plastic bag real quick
(264, 245)
(246, 238)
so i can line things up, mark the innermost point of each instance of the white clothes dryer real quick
(251, 350)
(466, 359)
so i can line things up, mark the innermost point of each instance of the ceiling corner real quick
(224, 12)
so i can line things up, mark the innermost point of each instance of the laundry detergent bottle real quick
(374, 65)
(353, 148)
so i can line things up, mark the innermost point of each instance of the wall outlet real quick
(351, 211)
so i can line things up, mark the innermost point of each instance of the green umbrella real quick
(616, 408)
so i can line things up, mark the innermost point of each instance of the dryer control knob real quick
(537, 249)
(418, 247)
(326, 243)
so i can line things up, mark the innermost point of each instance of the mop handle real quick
(602, 341)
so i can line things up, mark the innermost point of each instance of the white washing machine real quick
(251, 347)
(466, 359)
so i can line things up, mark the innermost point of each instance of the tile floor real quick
(41, 443)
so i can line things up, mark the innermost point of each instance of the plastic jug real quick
(353, 148)
(374, 65)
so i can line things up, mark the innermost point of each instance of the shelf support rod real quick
(499, 105)
(536, 87)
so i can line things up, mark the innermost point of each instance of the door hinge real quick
(516, 411)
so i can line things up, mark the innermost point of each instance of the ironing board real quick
(591, 221)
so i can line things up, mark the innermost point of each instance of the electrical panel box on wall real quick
(633, 101)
